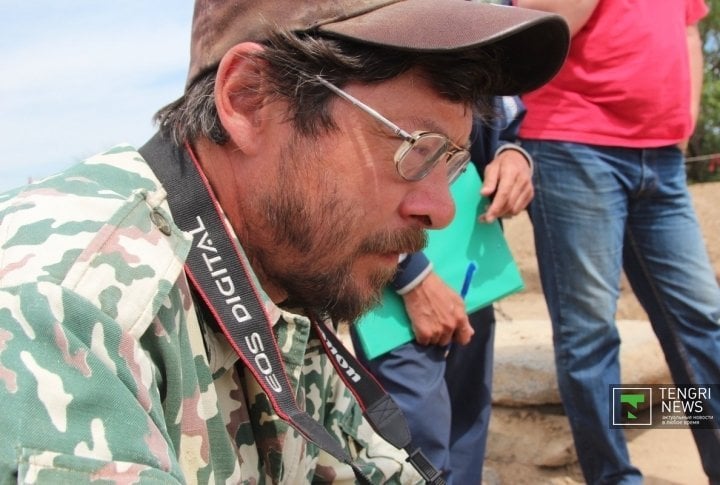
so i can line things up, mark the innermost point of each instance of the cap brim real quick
(532, 45)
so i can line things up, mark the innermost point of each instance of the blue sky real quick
(79, 76)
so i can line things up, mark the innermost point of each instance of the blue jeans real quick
(597, 211)
(446, 401)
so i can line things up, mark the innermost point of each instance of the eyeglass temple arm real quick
(359, 104)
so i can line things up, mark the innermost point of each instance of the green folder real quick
(451, 251)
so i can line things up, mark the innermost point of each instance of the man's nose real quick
(430, 201)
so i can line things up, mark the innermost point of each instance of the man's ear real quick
(239, 97)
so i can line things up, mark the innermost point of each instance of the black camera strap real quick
(379, 409)
(220, 276)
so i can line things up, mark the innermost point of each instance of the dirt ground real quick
(665, 456)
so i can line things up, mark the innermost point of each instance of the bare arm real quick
(695, 55)
(575, 12)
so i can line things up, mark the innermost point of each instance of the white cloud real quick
(81, 75)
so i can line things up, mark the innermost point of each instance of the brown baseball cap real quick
(533, 44)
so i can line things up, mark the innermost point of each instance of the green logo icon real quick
(630, 406)
(633, 400)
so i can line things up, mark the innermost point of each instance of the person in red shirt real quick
(607, 136)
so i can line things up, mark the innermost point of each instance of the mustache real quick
(405, 241)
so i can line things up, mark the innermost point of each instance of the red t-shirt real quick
(626, 81)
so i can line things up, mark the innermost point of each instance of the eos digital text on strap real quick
(221, 278)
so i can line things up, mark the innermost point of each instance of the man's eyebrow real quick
(435, 128)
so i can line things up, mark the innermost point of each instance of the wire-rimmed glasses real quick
(420, 151)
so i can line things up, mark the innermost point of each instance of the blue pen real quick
(472, 266)
(468, 278)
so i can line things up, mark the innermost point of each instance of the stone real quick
(524, 365)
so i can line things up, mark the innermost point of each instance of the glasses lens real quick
(417, 160)
(457, 164)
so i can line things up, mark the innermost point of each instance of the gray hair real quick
(294, 59)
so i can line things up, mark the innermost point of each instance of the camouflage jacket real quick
(107, 371)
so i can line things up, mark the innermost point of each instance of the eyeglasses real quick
(420, 151)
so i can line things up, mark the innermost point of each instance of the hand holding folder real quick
(452, 250)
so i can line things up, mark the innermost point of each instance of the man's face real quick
(340, 214)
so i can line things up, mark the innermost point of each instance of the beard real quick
(306, 248)
(334, 288)
(316, 279)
